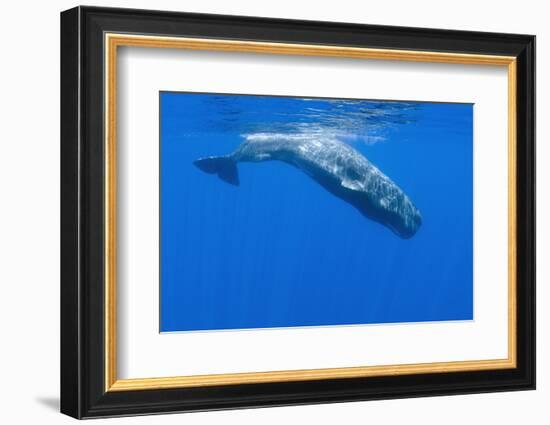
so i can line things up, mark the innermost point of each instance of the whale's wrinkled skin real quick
(336, 166)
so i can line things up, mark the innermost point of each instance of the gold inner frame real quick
(113, 41)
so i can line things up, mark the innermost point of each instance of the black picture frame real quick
(83, 392)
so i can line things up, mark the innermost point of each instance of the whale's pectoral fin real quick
(351, 184)
(223, 166)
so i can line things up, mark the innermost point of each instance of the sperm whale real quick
(336, 166)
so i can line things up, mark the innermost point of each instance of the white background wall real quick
(29, 211)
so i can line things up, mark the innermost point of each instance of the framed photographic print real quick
(261, 212)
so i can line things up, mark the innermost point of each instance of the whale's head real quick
(406, 221)
(395, 211)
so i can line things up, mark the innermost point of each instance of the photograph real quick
(297, 211)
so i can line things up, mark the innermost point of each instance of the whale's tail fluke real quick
(224, 166)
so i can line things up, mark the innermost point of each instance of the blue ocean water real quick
(279, 250)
